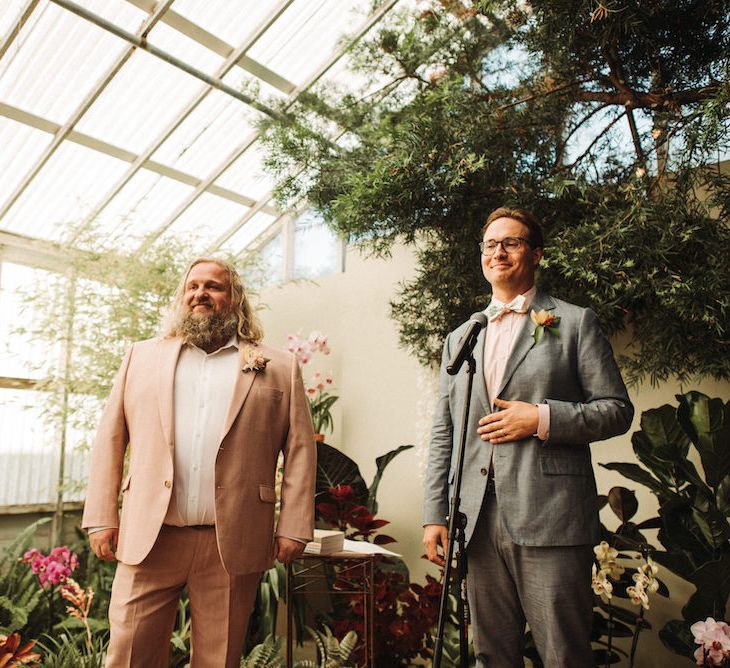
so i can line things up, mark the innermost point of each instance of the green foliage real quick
(265, 655)
(605, 119)
(335, 468)
(693, 508)
(272, 587)
(71, 651)
(332, 653)
(23, 606)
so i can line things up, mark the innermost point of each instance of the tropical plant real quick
(23, 606)
(693, 507)
(607, 120)
(180, 638)
(68, 650)
(332, 653)
(266, 654)
(13, 653)
(272, 588)
(335, 469)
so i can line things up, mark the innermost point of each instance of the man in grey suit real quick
(546, 386)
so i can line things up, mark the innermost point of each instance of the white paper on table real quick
(363, 547)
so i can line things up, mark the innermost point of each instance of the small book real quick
(325, 542)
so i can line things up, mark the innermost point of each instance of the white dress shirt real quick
(203, 391)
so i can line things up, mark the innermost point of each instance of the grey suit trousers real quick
(552, 585)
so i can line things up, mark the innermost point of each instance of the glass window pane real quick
(30, 462)
(23, 354)
(317, 250)
(267, 265)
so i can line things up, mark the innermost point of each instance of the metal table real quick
(308, 575)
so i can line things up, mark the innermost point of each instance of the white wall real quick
(387, 399)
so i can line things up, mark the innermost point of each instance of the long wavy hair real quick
(248, 327)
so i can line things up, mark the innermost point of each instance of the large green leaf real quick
(722, 496)
(707, 423)
(637, 474)
(712, 580)
(336, 468)
(644, 453)
(381, 462)
(668, 440)
(680, 531)
(623, 503)
(713, 525)
(678, 562)
(677, 637)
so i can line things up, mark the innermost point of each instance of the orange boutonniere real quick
(544, 322)
(255, 361)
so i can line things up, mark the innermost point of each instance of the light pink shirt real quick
(500, 338)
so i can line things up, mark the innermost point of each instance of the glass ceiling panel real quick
(120, 12)
(21, 148)
(258, 223)
(139, 208)
(302, 39)
(256, 88)
(224, 19)
(246, 175)
(176, 44)
(146, 95)
(54, 62)
(10, 14)
(204, 221)
(208, 135)
(63, 192)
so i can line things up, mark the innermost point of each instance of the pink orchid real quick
(53, 569)
(714, 640)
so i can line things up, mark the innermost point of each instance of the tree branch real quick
(643, 100)
(594, 142)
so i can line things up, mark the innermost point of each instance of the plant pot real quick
(319, 438)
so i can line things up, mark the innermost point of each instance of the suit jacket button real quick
(483, 471)
(168, 483)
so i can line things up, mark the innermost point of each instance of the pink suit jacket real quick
(268, 414)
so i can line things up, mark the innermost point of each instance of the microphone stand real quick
(456, 535)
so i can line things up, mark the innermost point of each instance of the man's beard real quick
(209, 330)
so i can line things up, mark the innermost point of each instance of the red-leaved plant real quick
(405, 611)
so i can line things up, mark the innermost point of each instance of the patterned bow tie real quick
(497, 309)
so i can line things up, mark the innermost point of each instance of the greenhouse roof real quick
(137, 118)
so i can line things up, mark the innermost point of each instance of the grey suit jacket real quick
(546, 491)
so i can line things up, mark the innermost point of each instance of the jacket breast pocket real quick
(270, 393)
(565, 466)
(267, 494)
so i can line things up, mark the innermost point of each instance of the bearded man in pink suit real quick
(205, 410)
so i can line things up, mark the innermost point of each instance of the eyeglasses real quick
(509, 245)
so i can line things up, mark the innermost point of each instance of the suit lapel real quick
(480, 382)
(240, 389)
(525, 339)
(169, 352)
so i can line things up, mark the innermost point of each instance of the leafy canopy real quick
(604, 118)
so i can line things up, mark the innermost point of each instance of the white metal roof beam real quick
(142, 43)
(76, 116)
(372, 20)
(217, 45)
(144, 157)
(31, 120)
(33, 252)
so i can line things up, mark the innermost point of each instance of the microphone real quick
(466, 343)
